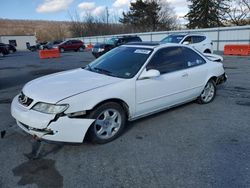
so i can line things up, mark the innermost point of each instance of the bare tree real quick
(76, 26)
(238, 12)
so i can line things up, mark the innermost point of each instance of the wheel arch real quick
(123, 104)
(207, 51)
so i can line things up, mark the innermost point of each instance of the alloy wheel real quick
(107, 123)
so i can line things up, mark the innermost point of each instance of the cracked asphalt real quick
(188, 146)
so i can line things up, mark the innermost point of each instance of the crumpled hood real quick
(55, 87)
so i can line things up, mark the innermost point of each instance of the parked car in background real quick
(38, 46)
(3, 50)
(71, 45)
(129, 82)
(52, 44)
(10, 47)
(198, 41)
(101, 48)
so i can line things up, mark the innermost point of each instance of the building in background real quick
(21, 42)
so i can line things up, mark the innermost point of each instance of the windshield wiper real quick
(88, 67)
(104, 71)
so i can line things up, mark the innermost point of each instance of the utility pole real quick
(107, 15)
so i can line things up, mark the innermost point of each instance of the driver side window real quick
(167, 60)
(172, 59)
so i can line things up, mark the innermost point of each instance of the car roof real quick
(151, 45)
(125, 36)
(187, 34)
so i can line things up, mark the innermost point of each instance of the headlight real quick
(50, 108)
(100, 49)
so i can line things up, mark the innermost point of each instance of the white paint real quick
(82, 90)
(20, 41)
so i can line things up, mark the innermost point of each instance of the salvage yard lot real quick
(189, 146)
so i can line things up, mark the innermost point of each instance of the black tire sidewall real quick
(91, 134)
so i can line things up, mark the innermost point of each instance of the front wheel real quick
(81, 49)
(208, 93)
(109, 124)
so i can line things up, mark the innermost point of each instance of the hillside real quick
(44, 30)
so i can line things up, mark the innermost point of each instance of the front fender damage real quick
(67, 129)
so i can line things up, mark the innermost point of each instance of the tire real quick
(81, 49)
(1, 54)
(208, 94)
(62, 50)
(110, 122)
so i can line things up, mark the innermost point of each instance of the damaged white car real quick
(127, 83)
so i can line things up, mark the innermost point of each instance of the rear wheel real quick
(109, 124)
(62, 50)
(208, 93)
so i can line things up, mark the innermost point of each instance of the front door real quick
(182, 72)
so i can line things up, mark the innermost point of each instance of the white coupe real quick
(127, 83)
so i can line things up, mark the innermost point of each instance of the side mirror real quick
(186, 43)
(149, 74)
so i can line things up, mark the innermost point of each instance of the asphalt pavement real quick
(188, 146)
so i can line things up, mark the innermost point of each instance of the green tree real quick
(147, 15)
(206, 13)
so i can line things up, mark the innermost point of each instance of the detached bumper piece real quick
(221, 79)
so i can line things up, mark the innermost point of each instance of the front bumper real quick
(221, 79)
(47, 127)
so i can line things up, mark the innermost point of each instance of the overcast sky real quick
(58, 9)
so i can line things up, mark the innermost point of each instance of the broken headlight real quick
(50, 108)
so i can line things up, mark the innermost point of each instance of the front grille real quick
(24, 100)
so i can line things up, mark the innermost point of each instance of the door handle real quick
(184, 75)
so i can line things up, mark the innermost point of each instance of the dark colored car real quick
(3, 51)
(9, 47)
(101, 48)
(71, 45)
(51, 44)
(38, 46)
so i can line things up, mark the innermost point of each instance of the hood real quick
(58, 86)
(213, 57)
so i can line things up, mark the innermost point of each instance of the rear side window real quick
(75, 41)
(197, 39)
(174, 58)
(191, 58)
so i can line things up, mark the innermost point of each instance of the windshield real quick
(121, 62)
(173, 39)
(112, 41)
